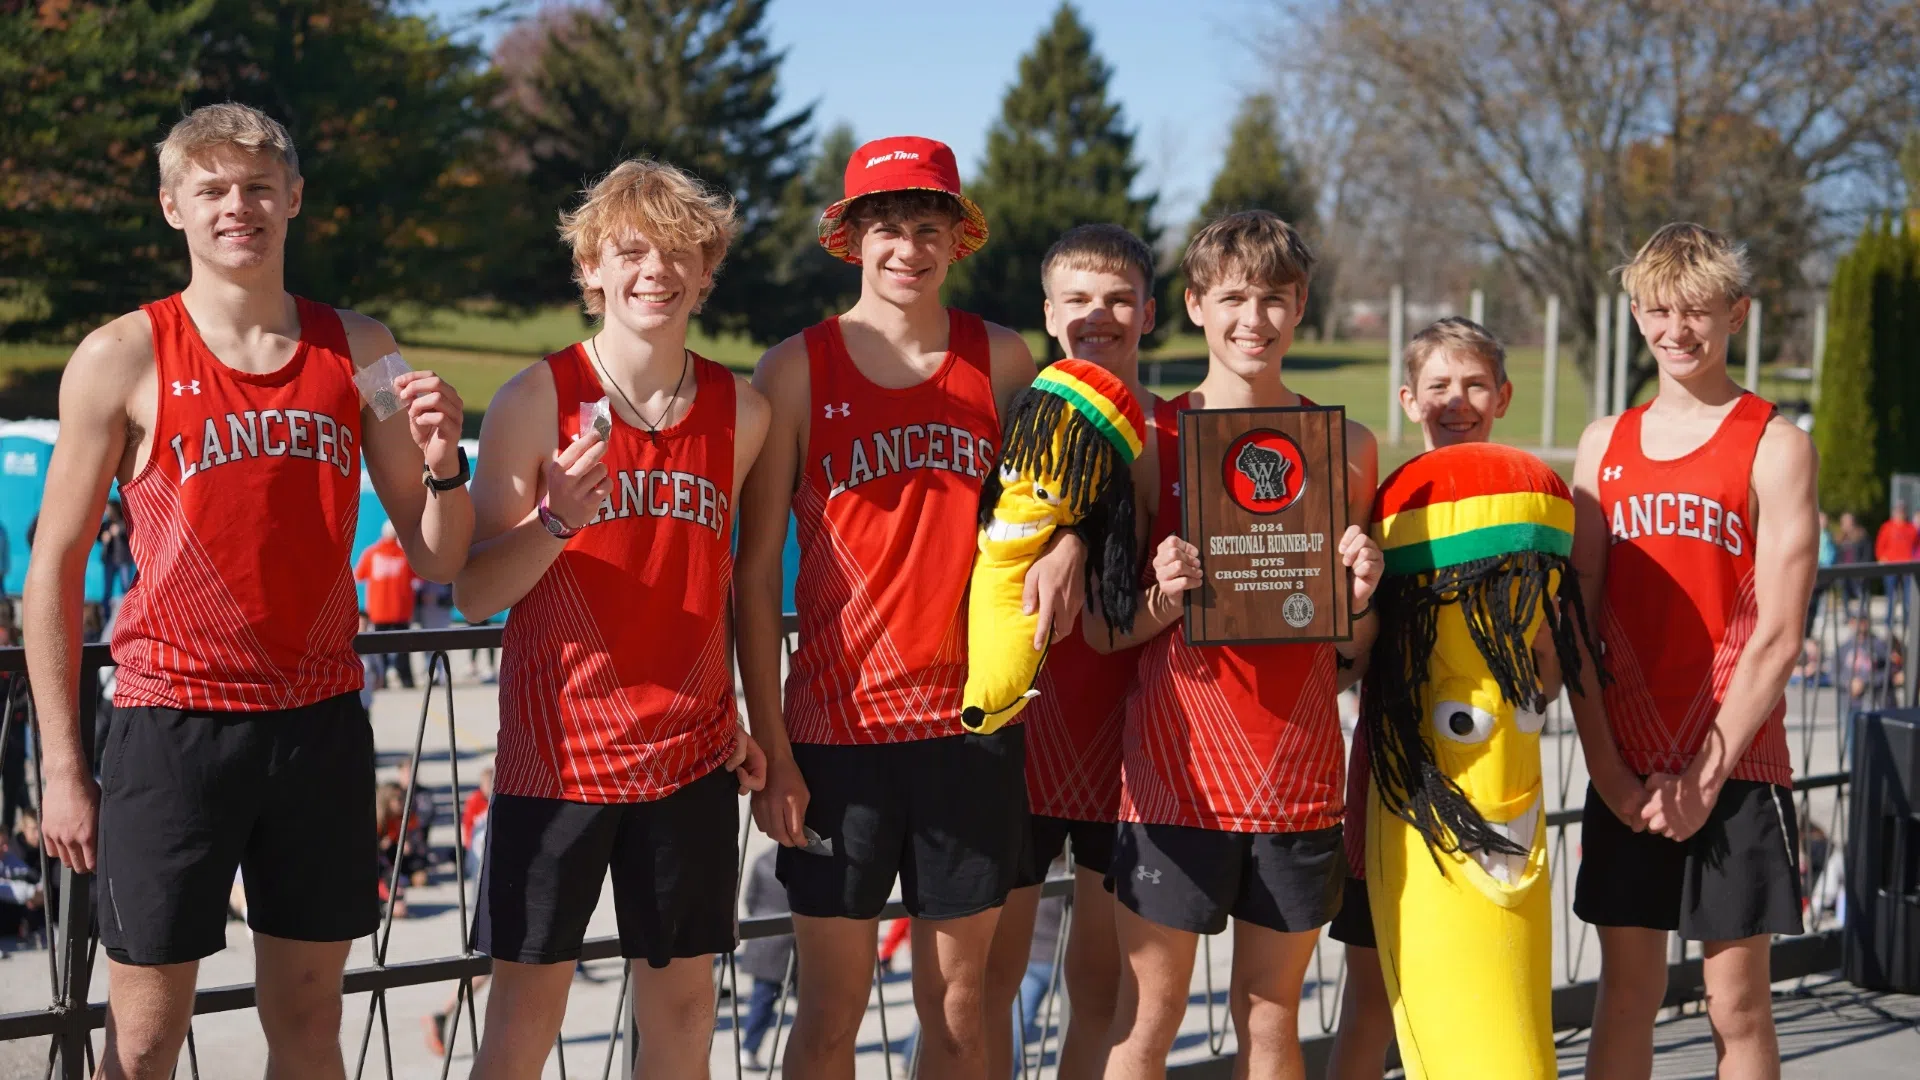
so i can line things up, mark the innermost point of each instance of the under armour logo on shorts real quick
(846, 410)
(1612, 472)
(1151, 877)
(186, 387)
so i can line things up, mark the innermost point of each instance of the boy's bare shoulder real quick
(367, 337)
(121, 348)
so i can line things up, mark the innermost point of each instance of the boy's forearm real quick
(759, 633)
(1759, 679)
(446, 532)
(53, 654)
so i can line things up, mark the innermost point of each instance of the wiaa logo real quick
(1264, 471)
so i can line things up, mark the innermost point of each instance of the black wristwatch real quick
(459, 479)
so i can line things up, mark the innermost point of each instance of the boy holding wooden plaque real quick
(1231, 800)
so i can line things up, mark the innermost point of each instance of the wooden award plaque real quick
(1264, 498)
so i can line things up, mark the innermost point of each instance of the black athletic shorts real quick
(1047, 837)
(1737, 877)
(946, 816)
(188, 796)
(675, 864)
(1354, 924)
(1193, 879)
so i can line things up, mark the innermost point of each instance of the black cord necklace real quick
(652, 429)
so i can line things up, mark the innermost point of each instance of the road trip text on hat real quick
(901, 163)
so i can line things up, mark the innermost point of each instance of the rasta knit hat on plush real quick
(1468, 502)
(901, 163)
(1102, 399)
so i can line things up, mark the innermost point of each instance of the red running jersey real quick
(1679, 606)
(242, 521)
(887, 510)
(616, 681)
(1238, 738)
(1074, 728)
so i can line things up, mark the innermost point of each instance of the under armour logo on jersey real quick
(846, 410)
(1612, 472)
(1151, 877)
(186, 388)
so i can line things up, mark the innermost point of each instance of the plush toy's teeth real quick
(1002, 529)
(1500, 866)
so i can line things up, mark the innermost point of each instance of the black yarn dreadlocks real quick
(1094, 476)
(1497, 594)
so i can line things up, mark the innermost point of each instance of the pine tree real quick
(88, 88)
(385, 109)
(805, 283)
(690, 82)
(1258, 173)
(1060, 155)
(1869, 408)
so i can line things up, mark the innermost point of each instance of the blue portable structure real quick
(25, 448)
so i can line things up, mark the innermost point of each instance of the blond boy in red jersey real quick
(1696, 536)
(230, 416)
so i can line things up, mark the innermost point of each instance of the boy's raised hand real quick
(1362, 556)
(1176, 566)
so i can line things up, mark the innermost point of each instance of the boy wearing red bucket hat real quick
(885, 423)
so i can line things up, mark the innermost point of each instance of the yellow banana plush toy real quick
(1064, 461)
(1476, 539)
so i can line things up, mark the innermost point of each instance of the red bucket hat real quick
(901, 163)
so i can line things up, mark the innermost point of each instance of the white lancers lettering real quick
(661, 494)
(1678, 513)
(186, 388)
(906, 448)
(266, 433)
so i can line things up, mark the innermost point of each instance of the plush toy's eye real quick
(1462, 723)
(1529, 721)
(1008, 474)
(1045, 496)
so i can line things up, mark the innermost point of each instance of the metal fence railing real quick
(1862, 649)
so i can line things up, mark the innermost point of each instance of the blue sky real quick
(892, 67)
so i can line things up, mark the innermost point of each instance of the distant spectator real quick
(1851, 541)
(373, 669)
(767, 959)
(415, 856)
(389, 802)
(1852, 545)
(389, 579)
(116, 554)
(1829, 554)
(433, 604)
(1864, 668)
(473, 821)
(23, 904)
(1818, 601)
(1894, 544)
